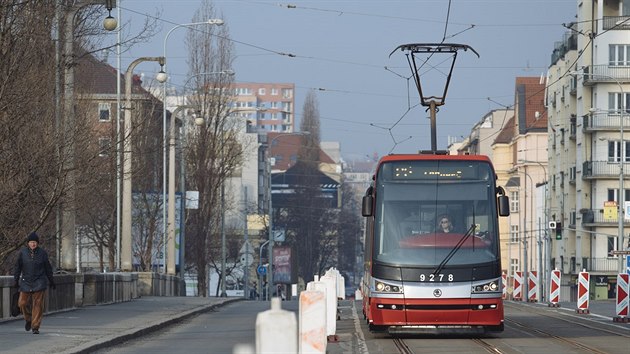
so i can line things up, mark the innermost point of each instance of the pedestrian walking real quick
(33, 274)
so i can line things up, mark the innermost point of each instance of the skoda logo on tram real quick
(437, 293)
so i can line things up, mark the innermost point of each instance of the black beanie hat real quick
(32, 237)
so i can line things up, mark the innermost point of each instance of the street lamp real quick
(271, 235)
(620, 206)
(525, 243)
(69, 257)
(163, 77)
(126, 200)
(170, 254)
(542, 266)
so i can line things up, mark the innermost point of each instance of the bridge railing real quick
(84, 289)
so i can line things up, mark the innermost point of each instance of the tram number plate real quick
(436, 277)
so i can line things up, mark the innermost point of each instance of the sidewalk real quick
(89, 328)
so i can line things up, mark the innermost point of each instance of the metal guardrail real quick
(616, 23)
(596, 216)
(606, 73)
(608, 264)
(603, 169)
(605, 121)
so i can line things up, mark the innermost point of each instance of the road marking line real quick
(362, 346)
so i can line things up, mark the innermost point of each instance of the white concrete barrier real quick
(312, 322)
(276, 330)
(331, 304)
(358, 295)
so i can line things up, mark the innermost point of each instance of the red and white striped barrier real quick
(504, 285)
(623, 289)
(554, 289)
(532, 294)
(583, 293)
(518, 286)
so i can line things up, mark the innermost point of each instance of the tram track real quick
(571, 320)
(562, 339)
(403, 347)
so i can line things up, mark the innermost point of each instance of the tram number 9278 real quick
(436, 277)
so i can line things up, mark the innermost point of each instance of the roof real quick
(285, 147)
(98, 77)
(529, 103)
(506, 134)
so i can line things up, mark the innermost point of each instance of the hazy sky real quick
(342, 50)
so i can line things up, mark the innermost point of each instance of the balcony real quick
(606, 74)
(609, 264)
(603, 169)
(595, 217)
(605, 121)
(616, 23)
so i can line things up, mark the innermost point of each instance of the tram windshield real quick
(426, 209)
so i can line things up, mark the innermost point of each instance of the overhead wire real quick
(388, 68)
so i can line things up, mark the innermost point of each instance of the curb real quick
(106, 342)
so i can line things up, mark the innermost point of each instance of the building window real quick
(274, 91)
(514, 233)
(513, 265)
(104, 146)
(287, 93)
(619, 55)
(614, 151)
(261, 91)
(612, 244)
(612, 194)
(514, 201)
(243, 91)
(615, 103)
(104, 111)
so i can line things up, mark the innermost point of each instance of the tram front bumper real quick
(437, 312)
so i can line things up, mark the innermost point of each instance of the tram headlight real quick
(491, 286)
(386, 288)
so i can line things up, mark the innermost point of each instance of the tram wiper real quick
(454, 250)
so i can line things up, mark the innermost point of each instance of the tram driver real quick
(445, 225)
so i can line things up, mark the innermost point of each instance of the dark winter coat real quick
(33, 271)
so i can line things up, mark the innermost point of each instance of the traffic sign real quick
(262, 270)
(620, 253)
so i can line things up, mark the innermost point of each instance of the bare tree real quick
(310, 220)
(30, 179)
(214, 150)
(31, 140)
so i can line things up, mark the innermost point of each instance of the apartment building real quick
(266, 107)
(589, 155)
(520, 155)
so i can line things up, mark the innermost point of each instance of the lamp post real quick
(525, 243)
(542, 265)
(170, 242)
(164, 77)
(271, 236)
(126, 261)
(621, 196)
(69, 255)
(170, 251)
